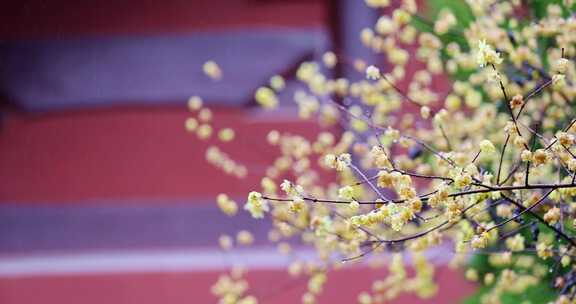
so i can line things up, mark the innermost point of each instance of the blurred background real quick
(104, 196)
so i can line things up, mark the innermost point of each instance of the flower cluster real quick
(212, 70)
(489, 164)
(256, 205)
(232, 288)
(487, 55)
(221, 160)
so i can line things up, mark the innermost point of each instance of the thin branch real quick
(486, 189)
(521, 212)
(502, 158)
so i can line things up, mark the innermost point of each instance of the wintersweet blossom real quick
(544, 251)
(205, 115)
(228, 206)
(346, 192)
(191, 124)
(204, 131)
(212, 70)
(256, 205)
(572, 165)
(226, 242)
(425, 112)
(339, 162)
(195, 103)
(244, 237)
(560, 66)
(486, 55)
(487, 147)
(329, 59)
(552, 216)
(526, 155)
(297, 205)
(565, 139)
(287, 187)
(377, 3)
(516, 101)
(540, 157)
(426, 167)
(321, 225)
(277, 83)
(558, 81)
(515, 243)
(354, 205)
(480, 241)
(226, 134)
(266, 98)
(372, 73)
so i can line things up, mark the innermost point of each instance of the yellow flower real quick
(380, 158)
(266, 98)
(191, 124)
(526, 155)
(560, 66)
(385, 25)
(338, 162)
(227, 205)
(515, 243)
(572, 164)
(385, 179)
(480, 241)
(471, 275)
(329, 59)
(552, 216)
(558, 81)
(226, 242)
(462, 180)
(415, 204)
(273, 137)
(204, 131)
(487, 55)
(565, 139)
(377, 3)
(346, 192)
(516, 101)
(297, 204)
(540, 157)
(544, 251)
(425, 112)
(330, 160)
(194, 103)
(256, 205)
(248, 300)
(473, 98)
(212, 70)
(401, 17)
(226, 134)
(372, 73)
(321, 225)
(277, 83)
(205, 115)
(487, 147)
(354, 206)
(244, 237)
(286, 186)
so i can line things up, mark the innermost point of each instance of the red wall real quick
(129, 153)
(59, 18)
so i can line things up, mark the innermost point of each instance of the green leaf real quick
(540, 293)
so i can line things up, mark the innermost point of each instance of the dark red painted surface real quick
(65, 18)
(269, 286)
(75, 157)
